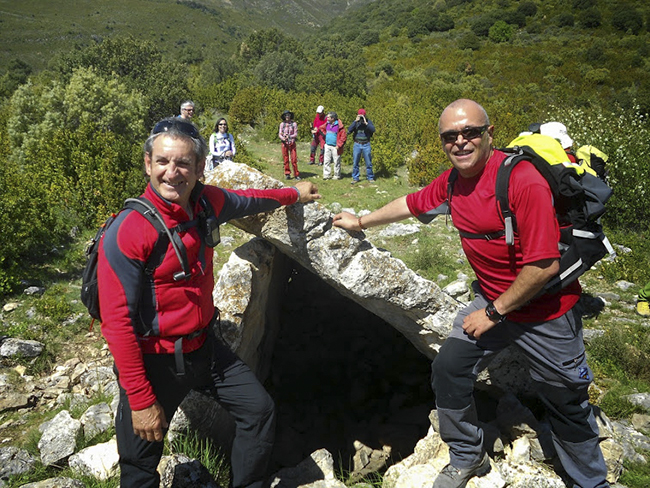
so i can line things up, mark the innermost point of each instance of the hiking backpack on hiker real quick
(208, 230)
(579, 198)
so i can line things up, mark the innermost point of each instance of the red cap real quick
(361, 112)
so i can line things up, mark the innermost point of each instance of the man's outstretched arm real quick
(392, 212)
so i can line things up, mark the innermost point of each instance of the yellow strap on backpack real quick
(549, 149)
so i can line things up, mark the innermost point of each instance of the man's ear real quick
(200, 167)
(147, 163)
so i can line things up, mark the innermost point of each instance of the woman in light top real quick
(222, 145)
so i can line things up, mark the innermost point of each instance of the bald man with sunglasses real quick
(507, 309)
(159, 324)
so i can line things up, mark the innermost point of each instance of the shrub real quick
(626, 18)
(248, 104)
(469, 40)
(385, 156)
(591, 18)
(428, 162)
(278, 70)
(565, 19)
(385, 66)
(500, 32)
(528, 8)
(617, 133)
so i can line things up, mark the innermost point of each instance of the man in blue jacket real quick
(362, 129)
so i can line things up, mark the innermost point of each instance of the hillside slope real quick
(35, 30)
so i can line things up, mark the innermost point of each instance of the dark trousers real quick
(216, 370)
(316, 143)
(556, 356)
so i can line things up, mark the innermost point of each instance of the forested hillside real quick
(72, 127)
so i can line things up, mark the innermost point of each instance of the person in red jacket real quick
(317, 138)
(506, 310)
(159, 326)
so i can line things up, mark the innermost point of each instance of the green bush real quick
(385, 156)
(617, 133)
(626, 18)
(565, 19)
(500, 31)
(248, 105)
(591, 18)
(278, 70)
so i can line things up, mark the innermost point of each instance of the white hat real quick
(558, 131)
(320, 109)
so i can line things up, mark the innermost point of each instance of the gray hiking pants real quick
(556, 356)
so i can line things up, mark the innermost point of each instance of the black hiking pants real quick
(213, 369)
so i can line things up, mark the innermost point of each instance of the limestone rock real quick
(12, 347)
(352, 265)
(179, 471)
(14, 401)
(96, 419)
(317, 471)
(99, 461)
(14, 461)
(59, 438)
(58, 482)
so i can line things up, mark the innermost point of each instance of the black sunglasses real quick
(468, 134)
(182, 127)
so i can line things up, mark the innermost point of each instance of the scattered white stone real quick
(20, 347)
(625, 285)
(59, 438)
(397, 229)
(99, 461)
(10, 307)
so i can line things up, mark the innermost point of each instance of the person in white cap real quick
(317, 140)
(557, 130)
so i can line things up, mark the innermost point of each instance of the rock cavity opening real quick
(340, 375)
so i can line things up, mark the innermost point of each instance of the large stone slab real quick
(348, 262)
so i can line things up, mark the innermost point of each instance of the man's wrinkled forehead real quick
(462, 114)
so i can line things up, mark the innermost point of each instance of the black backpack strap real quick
(145, 208)
(501, 194)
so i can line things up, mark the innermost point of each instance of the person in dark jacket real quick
(362, 130)
(159, 327)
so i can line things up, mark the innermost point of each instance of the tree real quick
(481, 26)
(16, 74)
(278, 70)
(565, 19)
(626, 19)
(591, 18)
(343, 76)
(528, 8)
(267, 41)
(137, 64)
(500, 32)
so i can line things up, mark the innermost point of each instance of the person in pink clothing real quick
(288, 133)
(317, 138)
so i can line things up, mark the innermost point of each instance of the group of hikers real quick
(159, 324)
(329, 135)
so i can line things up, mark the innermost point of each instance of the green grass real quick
(204, 450)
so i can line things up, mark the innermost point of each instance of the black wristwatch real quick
(491, 312)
